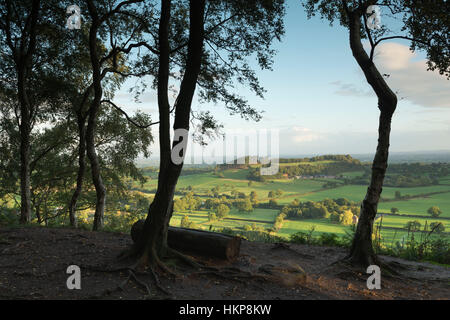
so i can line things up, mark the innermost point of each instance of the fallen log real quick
(204, 243)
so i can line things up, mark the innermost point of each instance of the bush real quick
(299, 237)
(185, 223)
(329, 239)
(434, 211)
(303, 237)
(437, 227)
(346, 218)
(413, 226)
(8, 217)
(222, 211)
(212, 216)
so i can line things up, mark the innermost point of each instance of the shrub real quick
(346, 218)
(437, 227)
(329, 239)
(413, 226)
(222, 211)
(434, 211)
(212, 216)
(185, 223)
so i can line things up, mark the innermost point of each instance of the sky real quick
(320, 103)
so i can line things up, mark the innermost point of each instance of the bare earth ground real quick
(33, 264)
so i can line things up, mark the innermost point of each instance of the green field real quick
(311, 190)
(419, 206)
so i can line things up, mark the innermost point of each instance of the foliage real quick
(222, 211)
(434, 211)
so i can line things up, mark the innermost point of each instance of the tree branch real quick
(128, 117)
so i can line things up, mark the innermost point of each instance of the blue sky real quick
(320, 102)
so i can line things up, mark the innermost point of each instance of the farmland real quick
(412, 203)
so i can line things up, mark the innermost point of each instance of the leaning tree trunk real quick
(81, 170)
(92, 122)
(96, 175)
(153, 243)
(361, 252)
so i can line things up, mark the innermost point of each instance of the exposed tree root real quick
(158, 283)
(139, 282)
(189, 261)
(359, 271)
(131, 276)
(150, 262)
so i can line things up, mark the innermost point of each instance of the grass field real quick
(419, 206)
(311, 189)
(320, 226)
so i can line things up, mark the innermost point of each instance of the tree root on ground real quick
(387, 270)
(150, 261)
(131, 276)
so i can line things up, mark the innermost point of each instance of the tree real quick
(426, 27)
(59, 91)
(273, 203)
(31, 68)
(346, 218)
(120, 31)
(437, 227)
(19, 34)
(394, 210)
(245, 205)
(222, 211)
(185, 223)
(434, 211)
(253, 197)
(190, 48)
(413, 226)
(212, 216)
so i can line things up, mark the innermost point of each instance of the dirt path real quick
(33, 264)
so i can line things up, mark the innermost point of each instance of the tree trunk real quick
(153, 242)
(96, 176)
(25, 192)
(81, 170)
(24, 63)
(92, 122)
(361, 252)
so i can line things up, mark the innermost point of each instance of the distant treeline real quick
(339, 164)
(330, 157)
(408, 175)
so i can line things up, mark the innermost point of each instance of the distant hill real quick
(410, 157)
(394, 157)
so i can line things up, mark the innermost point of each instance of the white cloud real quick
(301, 134)
(408, 76)
(349, 89)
